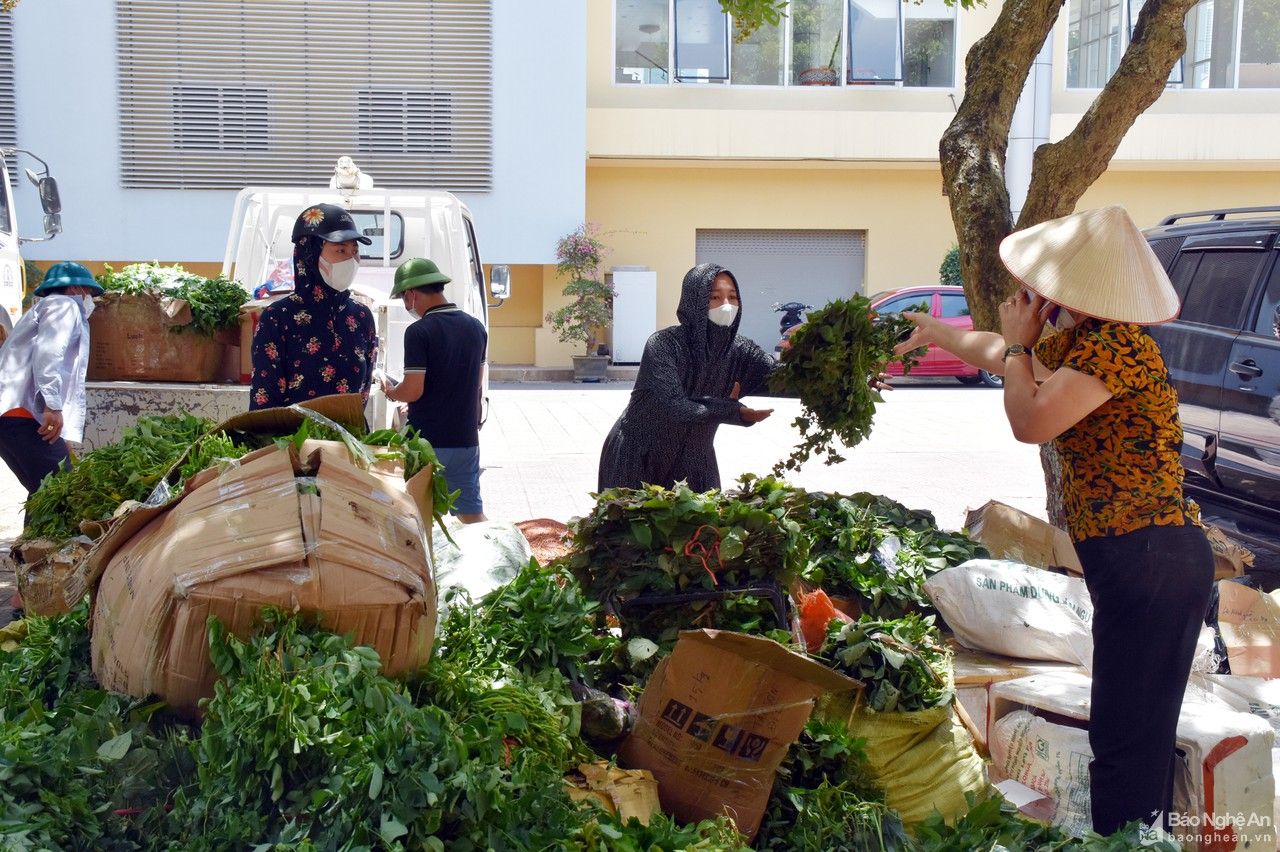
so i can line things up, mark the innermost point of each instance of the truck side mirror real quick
(50, 201)
(53, 224)
(500, 281)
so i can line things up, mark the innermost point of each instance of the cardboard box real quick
(132, 337)
(716, 719)
(1011, 533)
(1226, 778)
(1249, 623)
(308, 532)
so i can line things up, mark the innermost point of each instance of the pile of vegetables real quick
(690, 551)
(829, 365)
(129, 469)
(215, 302)
(901, 663)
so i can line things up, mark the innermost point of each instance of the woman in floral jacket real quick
(316, 341)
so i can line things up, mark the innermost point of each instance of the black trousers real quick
(30, 457)
(1150, 589)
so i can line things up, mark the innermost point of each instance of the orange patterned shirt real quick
(1121, 467)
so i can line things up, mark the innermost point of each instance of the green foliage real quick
(578, 257)
(79, 767)
(874, 549)
(949, 271)
(127, 470)
(902, 663)
(832, 359)
(661, 834)
(661, 541)
(750, 15)
(995, 824)
(540, 620)
(215, 302)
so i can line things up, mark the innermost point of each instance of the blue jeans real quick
(462, 473)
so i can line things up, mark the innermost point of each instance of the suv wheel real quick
(968, 380)
(991, 380)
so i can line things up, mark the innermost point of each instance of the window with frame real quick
(954, 305)
(1268, 321)
(1223, 281)
(817, 43)
(220, 94)
(1231, 44)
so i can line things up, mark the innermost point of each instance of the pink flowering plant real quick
(578, 257)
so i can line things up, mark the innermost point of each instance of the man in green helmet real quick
(444, 355)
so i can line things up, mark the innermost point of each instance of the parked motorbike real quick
(792, 314)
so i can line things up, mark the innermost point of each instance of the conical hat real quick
(1095, 262)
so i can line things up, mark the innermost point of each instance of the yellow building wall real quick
(650, 216)
(513, 326)
(1149, 196)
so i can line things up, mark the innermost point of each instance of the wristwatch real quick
(1015, 349)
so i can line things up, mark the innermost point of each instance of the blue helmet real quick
(67, 274)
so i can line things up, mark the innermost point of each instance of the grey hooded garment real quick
(681, 396)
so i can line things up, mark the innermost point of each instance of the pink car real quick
(946, 303)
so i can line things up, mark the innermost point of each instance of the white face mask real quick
(339, 275)
(1064, 320)
(724, 315)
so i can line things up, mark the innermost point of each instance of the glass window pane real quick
(815, 42)
(643, 42)
(757, 61)
(954, 305)
(874, 28)
(1260, 45)
(929, 44)
(1211, 44)
(702, 41)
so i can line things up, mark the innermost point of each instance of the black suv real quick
(1223, 352)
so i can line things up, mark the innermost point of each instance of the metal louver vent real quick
(8, 108)
(220, 94)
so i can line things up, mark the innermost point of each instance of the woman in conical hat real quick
(1096, 387)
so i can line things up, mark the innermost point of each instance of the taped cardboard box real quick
(716, 719)
(139, 337)
(308, 533)
(1011, 533)
(1249, 623)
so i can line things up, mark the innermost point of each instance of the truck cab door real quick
(1249, 444)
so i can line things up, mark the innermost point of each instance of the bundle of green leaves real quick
(880, 552)
(129, 469)
(215, 302)
(693, 548)
(539, 620)
(825, 797)
(830, 364)
(902, 663)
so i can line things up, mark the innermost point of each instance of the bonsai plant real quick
(822, 75)
(578, 257)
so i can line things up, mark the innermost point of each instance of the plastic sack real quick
(1016, 610)
(482, 557)
(923, 760)
(1049, 758)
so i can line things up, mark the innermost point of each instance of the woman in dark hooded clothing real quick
(690, 378)
(316, 341)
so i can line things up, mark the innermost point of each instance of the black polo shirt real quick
(448, 346)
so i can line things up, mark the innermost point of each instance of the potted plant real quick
(822, 75)
(590, 309)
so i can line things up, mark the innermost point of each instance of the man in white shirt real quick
(42, 374)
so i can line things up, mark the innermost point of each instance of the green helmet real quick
(417, 272)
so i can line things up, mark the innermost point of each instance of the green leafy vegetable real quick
(829, 365)
(215, 302)
(902, 663)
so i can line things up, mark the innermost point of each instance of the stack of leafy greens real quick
(666, 560)
(902, 663)
(129, 469)
(305, 745)
(214, 302)
(830, 364)
(874, 549)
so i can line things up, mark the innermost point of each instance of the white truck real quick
(12, 268)
(402, 223)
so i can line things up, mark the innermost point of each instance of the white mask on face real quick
(1064, 320)
(724, 315)
(87, 303)
(339, 275)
